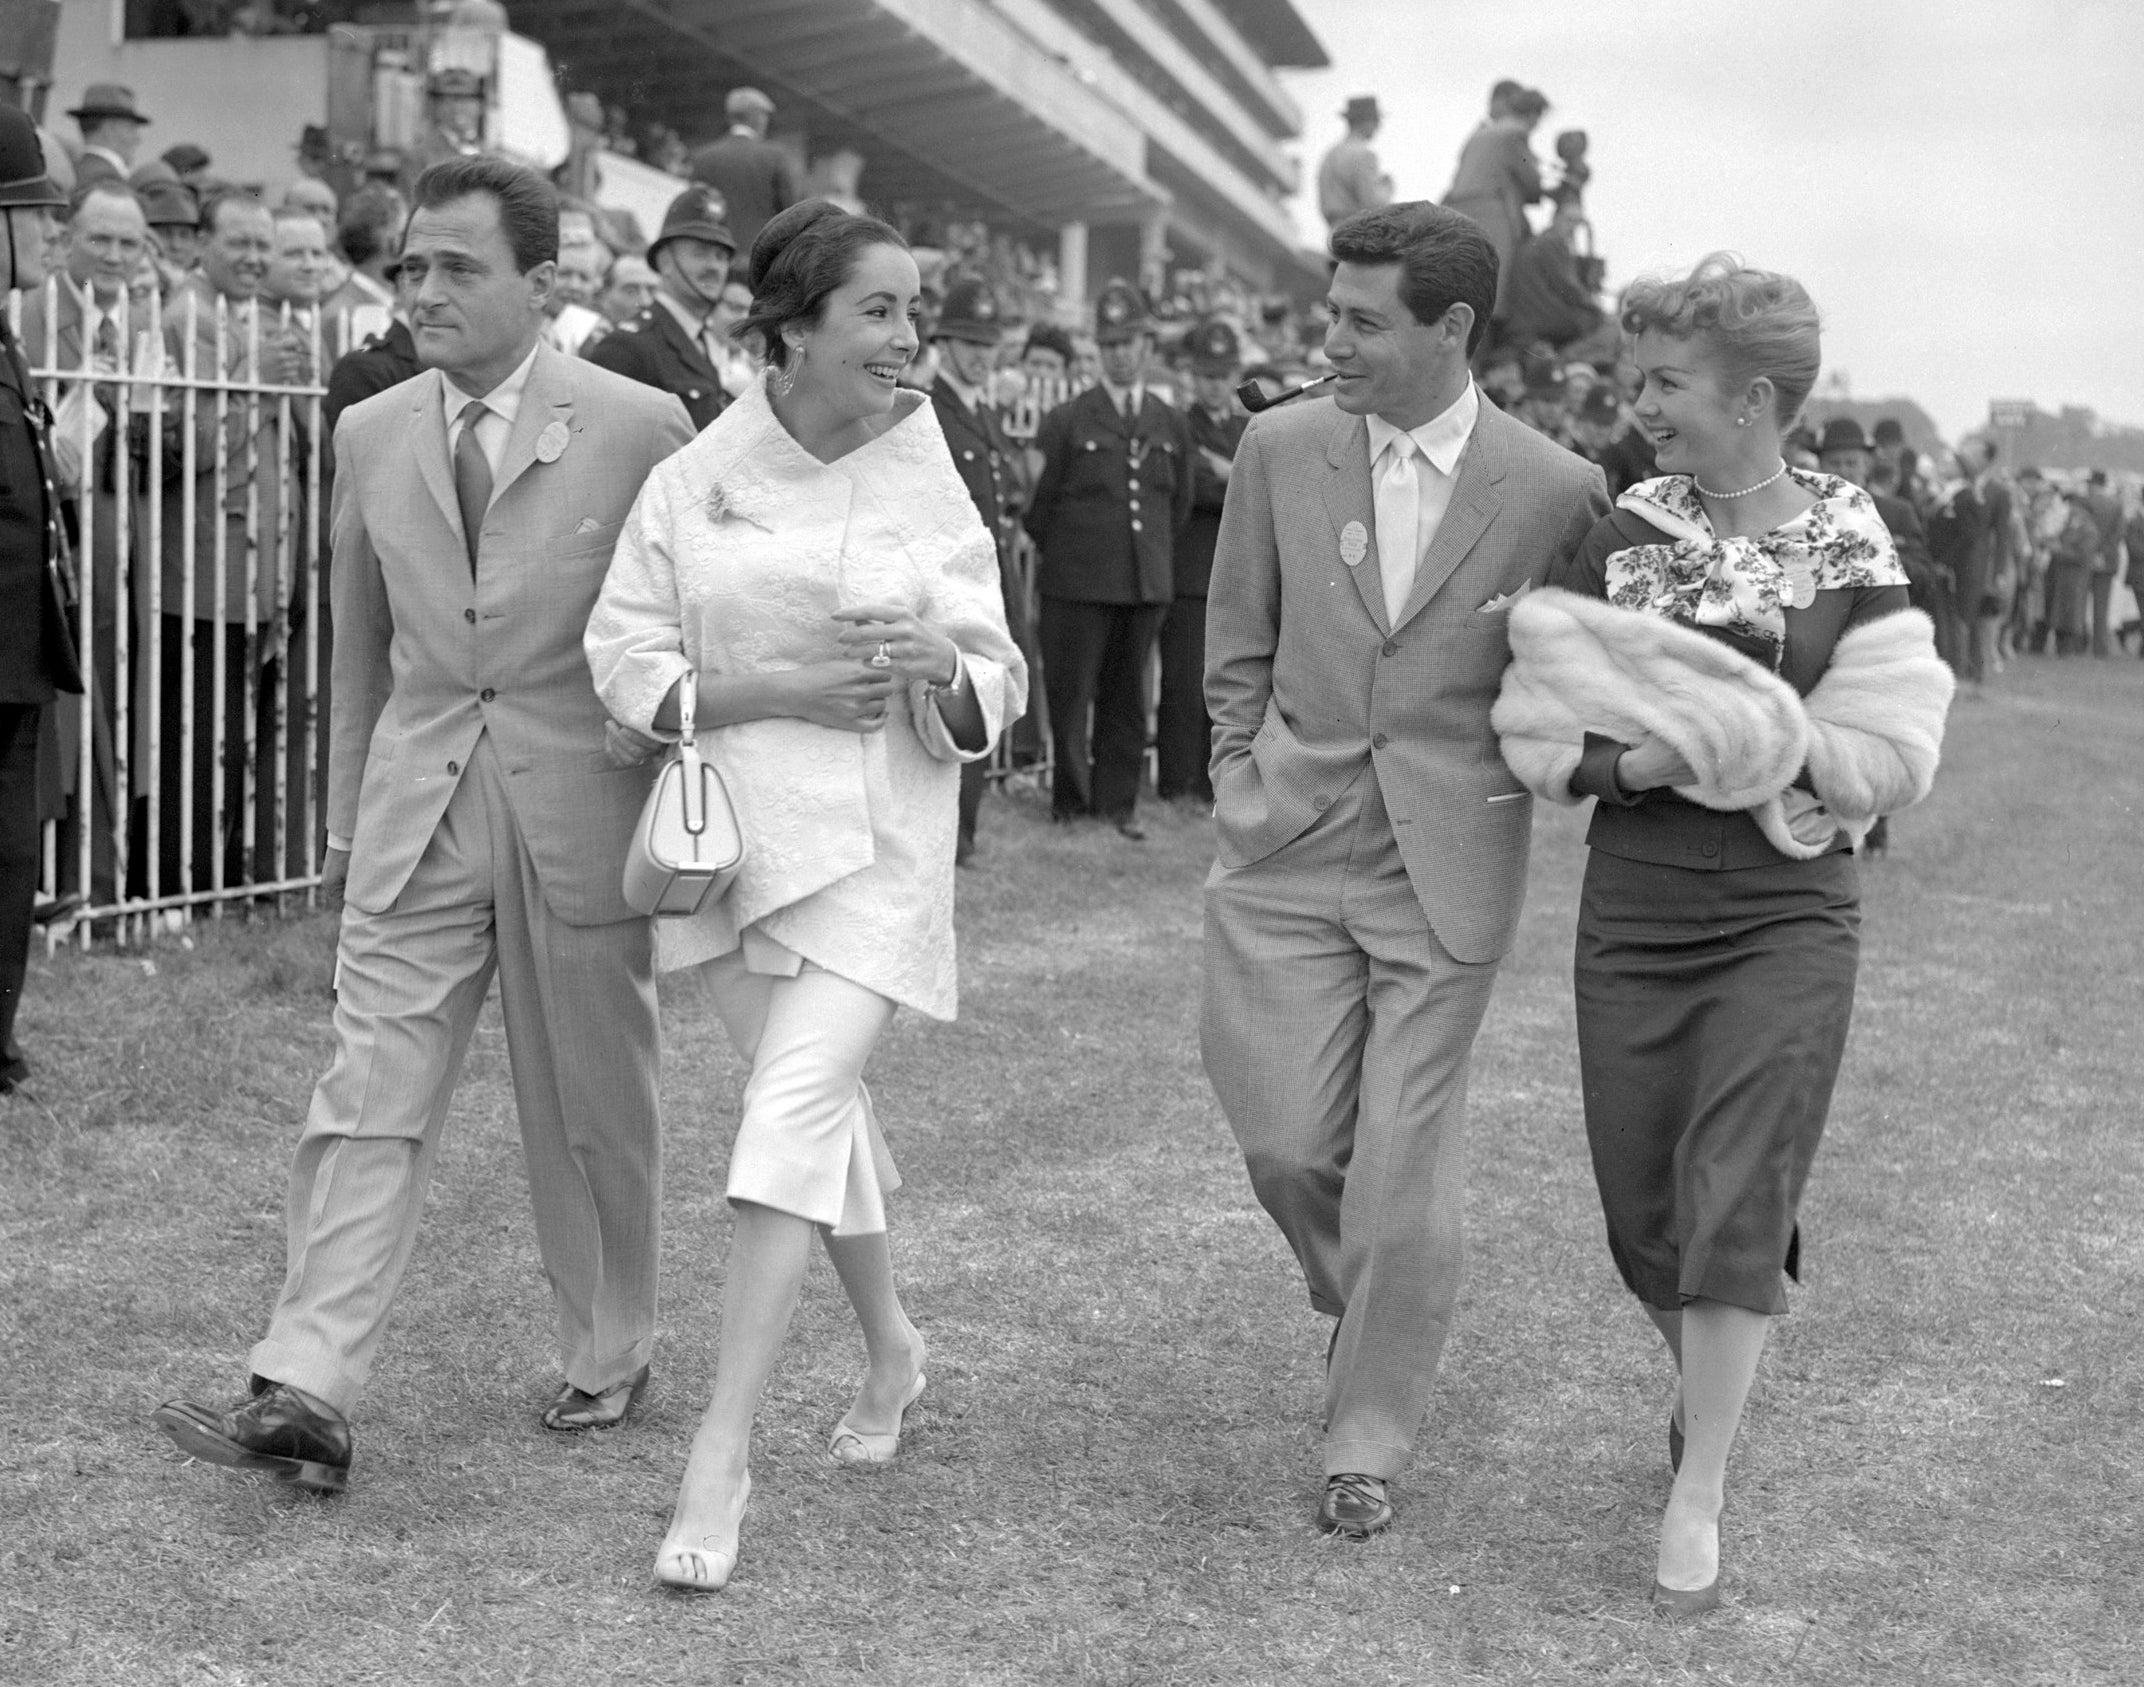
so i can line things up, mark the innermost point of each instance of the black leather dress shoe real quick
(276, 1431)
(1354, 1505)
(1131, 830)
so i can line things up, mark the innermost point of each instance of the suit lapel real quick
(545, 400)
(428, 437)
(1476, 499)
(1347, 499)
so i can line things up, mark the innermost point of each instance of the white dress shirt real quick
(1128, 400)
(1429, 467)
(501, 405)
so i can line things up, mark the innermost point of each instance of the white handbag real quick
(687, 847)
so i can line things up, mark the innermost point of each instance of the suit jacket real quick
(755, 177)
(428, 658)
(385, 361)
(656, 351)
(1306, 679)
(1909, 536)
(1111, 499)
(1209, 495)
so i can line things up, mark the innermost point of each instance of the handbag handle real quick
(688, 756)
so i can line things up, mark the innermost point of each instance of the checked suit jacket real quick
(1307, 678)
(428, 656)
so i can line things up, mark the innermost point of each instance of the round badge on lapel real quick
(551, 443)
(1354, 544)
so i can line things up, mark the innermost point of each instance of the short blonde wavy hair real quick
(1759, 322)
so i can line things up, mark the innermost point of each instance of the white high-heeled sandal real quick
(697, 1569)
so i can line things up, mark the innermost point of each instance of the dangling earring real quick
(780, 380)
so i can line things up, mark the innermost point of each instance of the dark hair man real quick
(1372, 843)
(475, 828)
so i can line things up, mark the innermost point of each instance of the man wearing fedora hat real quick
(754, 177)
(673, 344)
(1348, 177)
(966, 334)
(111, 126)
(37, 655)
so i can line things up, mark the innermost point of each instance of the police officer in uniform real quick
(671, 344)
(966, 336)
(1182, 732)
(1114, 492)
(37, 655)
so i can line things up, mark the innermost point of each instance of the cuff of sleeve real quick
(1595, 774)
(340, 843)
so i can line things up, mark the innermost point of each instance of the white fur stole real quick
(1870, 733)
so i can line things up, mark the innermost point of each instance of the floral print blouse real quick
(1743, 586)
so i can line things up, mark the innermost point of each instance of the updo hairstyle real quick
(800, 258)
(1756, 321)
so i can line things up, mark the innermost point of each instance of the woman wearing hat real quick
(814, 560)
(1731, 668)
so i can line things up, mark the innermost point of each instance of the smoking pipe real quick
(1253, 398)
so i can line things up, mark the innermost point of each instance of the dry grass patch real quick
(1110, 1478)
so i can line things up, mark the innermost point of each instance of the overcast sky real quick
(1959, 183)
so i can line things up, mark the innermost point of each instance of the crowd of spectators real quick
(2009, 559)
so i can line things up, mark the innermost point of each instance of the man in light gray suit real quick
(1372, 844)
(477, 829)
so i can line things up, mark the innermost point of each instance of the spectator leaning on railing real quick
(84, 321)
(220, 328)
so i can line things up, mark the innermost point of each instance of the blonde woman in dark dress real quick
(1731, 668)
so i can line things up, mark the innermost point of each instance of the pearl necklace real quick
(1723, 497)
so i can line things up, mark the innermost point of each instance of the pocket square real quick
(588, 525)
(1497, 605)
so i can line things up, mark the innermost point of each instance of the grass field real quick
(1111, 1477)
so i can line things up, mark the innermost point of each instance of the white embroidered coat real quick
(734, 558)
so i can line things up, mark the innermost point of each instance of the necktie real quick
(472, 478)
(1399, 516)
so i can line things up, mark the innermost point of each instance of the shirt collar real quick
(503, 401)
(1136, 392)
(694, 326)
(972, 397)
(1442, 439)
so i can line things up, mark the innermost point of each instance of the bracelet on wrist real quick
(937, 688)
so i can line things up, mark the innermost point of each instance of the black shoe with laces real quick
(277, 1431)
(1354, 1505)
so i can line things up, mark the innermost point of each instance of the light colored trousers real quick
(579, 1005)
(809, 1142)
(1336, 1031)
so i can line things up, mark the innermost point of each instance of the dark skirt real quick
(1712, 1015)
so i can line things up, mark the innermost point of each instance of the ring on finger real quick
(884, 658)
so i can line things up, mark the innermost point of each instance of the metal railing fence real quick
(188, 450)
(190, 455)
